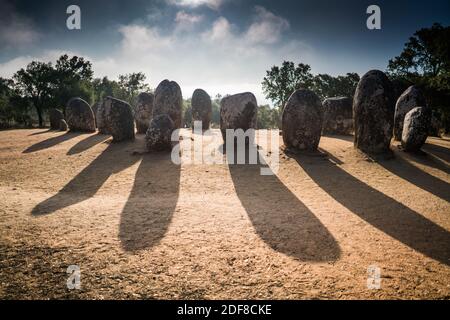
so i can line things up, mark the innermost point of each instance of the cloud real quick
(10, 67)
(16, 31)
(213, 4)
(267, 27)
(217, 56)
(187, 21)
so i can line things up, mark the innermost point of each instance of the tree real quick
(36, 82)
(426, 53)
(268, 117)
(326, 86)
(425, 62)
(73, 77)
(131, 85)
(280, 82)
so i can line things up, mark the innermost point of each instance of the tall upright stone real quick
(238, 111)
(143, 111)
(338, 116)
(169, 100)
(79, 116)
(415, 128)
(201, 108)
(302, 121)
(55, 116)
(409, 99)
(118, 119)
(373, 113)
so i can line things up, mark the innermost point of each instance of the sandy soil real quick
(141, 227)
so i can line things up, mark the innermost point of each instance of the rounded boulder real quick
(338, 116)
(169, 100)
(143, 111)
(415, 128)
(302, 121)
(79, 116)
(409, 100)
(373, 113)
(201, 108)
(159, 133)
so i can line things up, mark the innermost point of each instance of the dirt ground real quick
(139, 226)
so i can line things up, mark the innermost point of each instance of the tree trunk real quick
(39, 113)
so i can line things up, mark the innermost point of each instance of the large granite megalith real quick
(415, 128)
(409, 100)
(201, 108)
(302, 120)
(117, 119)
(238, 111)
(143, 111)
(338, 116)
(169, 100)
(79, 116)
(373, 113)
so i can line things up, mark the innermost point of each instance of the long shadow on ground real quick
(84, 185)
(151, 204)
(280, 218)
(381, 211)
(87, 143)
(401, 167)
(51, 142)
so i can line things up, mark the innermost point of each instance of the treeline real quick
(424, 62)
(32, 91)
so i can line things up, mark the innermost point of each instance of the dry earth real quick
(141, 227)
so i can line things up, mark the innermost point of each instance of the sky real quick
(222, 46)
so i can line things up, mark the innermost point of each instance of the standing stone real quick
(118, 119)
(63, 125)
(409, 99)
(95, 108)
(338, 116)
(143, 111)
(169, 100)
(373, 113)
(201, 108)
(159, 133)
(80, 116)
(101, 118)
(238, 111)
(435, 125)
(302, 120)
(415, 128)
(55, 116)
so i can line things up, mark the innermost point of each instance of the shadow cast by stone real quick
(401, 167)
(401, 223)
(87, 143)
(438, 151)
(151, 204)
(84, 185)
(51, 142)
(280, 218)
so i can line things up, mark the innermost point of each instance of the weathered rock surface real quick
(159, 133)
(373, 113)
(95, 108)
(143, 111)
(409, 100)
(169, 100)
(338, 116)
(435, 125)
(302, 121)
(117, 118)
(63, 125)
(79, 116)
(238, 111)
(100, 118)
(55, 116)
(201, 108)
(415, 128)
